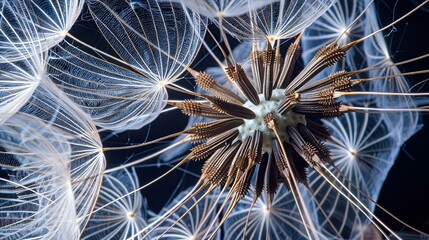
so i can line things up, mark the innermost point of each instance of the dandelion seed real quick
(337, 23)
(256, 19)
(28, 25)
(26, 68)
(52, 186)
(125, 217)
(193, 225)
(364, 150)
(223, 8)
(126, 89)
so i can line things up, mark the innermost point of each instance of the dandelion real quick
(50, 147)
(19, 79)
(150, 50)
(288, 150)
(53, 179)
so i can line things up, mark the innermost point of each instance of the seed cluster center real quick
(261, 110)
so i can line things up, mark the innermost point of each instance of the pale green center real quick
(261, 110)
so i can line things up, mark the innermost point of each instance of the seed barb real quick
(260, 177)
(273, 178)
(231, 108)
(257, 65)
(290, 100)
(292, 55)
(198, 108)
(318, 130)
(205, 130)
(216, 167)
(319, 111)
(297, 164)
(205, 149)
(209, 84)
(255, 152)
(325, 57)
(240, 77)
(268, 59)
(340, 80)
(270, 121)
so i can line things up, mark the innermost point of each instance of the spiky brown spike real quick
(272, 178)
(326, 96)
(244, 186)
(288, 102)
(209, 84)
(216, 167)
(208, 170)
(268, 58)
(317, 110)
(229, 70)
(204, 150)
(309, 154)
(305, 149)
(292, 55)
(231, 108)
(255, 153)
(243, 82)
(323, 96)
(297, 164)
(257, 65)
(205, 130)
(322, 151)
(278, 156)
(343, 84)
(260, 177)
(242, 159)
(318, 130)
(325, 57)
(281, 163)
(194, 108)
(327, 82)
(331, 52)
